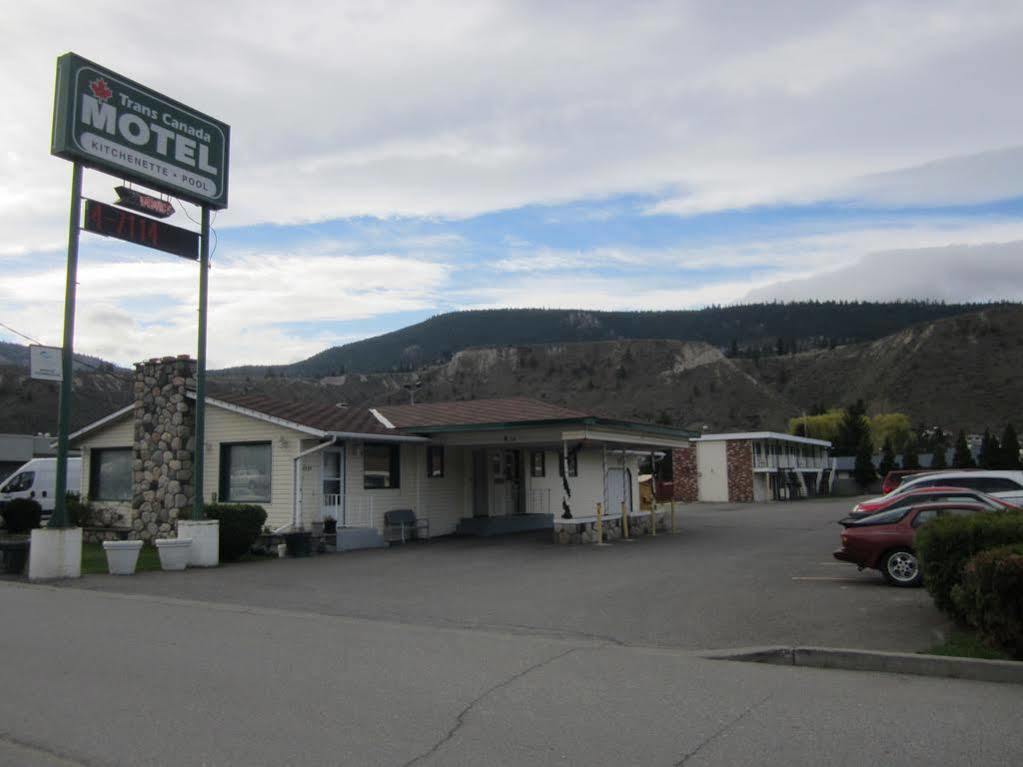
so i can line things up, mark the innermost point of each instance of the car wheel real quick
(902, 568)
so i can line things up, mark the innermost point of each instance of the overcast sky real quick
(394, 160)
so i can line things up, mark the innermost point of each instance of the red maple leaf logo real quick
(100, 89)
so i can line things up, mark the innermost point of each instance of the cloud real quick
(258, 303)
(439, 109)
(953, 273)
(379, 148)
(597, 292)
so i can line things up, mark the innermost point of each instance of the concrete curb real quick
(1003, 671)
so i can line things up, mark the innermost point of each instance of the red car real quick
(894, 478)
(885, 541)
(925, 495)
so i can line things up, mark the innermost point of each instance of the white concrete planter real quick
(174, 552)
(122, 556)
(205, 535)
(55, 553)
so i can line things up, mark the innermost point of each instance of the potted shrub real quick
(122, 556)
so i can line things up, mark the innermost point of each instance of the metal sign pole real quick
(200, 372)
(59, 516)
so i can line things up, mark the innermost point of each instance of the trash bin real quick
(300, 543)
(15, 555)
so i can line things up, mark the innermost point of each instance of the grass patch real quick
(966, 644)
(94, 559)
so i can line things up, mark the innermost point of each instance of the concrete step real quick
(484, 527)
(353, 538)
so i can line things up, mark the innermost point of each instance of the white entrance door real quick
(617, 489)
(333, 491)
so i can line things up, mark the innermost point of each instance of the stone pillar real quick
(684, 478)
(740, 471)
(162, 486)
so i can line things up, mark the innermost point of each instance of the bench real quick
(403, 522)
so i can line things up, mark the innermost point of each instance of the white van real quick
(37, 480)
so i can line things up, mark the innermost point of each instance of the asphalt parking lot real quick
(733, 576)
(511, 651)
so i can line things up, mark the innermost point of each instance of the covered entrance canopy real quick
(531, 464)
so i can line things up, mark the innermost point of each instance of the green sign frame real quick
(111, 123)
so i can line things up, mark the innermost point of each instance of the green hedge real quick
(990, 596)
(22, 515)
(240, 525)
(79, 512)
(946, 544)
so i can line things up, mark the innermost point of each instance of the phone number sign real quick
(113, 124)
(131, 227)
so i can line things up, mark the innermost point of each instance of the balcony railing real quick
(790, 462)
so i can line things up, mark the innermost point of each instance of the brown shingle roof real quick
(313, 415)
(479, 411)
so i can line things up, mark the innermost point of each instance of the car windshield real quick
(889, 517)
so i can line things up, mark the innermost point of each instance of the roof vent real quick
(341, 405)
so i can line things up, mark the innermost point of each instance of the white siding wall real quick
(223, 426)
(543, 494)
(712, 471)
(311, 472)
(587, 488)
(438, 499)
(119, 434)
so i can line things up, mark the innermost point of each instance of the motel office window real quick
(435, 461)
(381, 467)
(245, 472)
(538, 463)
(110, 474)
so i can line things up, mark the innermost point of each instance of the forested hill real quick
(748, 328)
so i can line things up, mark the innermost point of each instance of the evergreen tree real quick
(1010, 448)
(989, 450)
(938, 459)
(887, 458)
(963, 458)
(863, 469)
(852, 429)
(910, 456)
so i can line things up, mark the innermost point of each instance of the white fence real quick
(359, 512)
(539, 501)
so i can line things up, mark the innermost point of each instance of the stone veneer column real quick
(685, 482)
(740, 471)
(162, 487)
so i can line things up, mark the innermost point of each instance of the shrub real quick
(22, 515)
(945, 545)
(79, 512)
(990, 596)
(240, 525)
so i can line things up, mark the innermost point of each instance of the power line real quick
(77, 358)
(19, 333)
